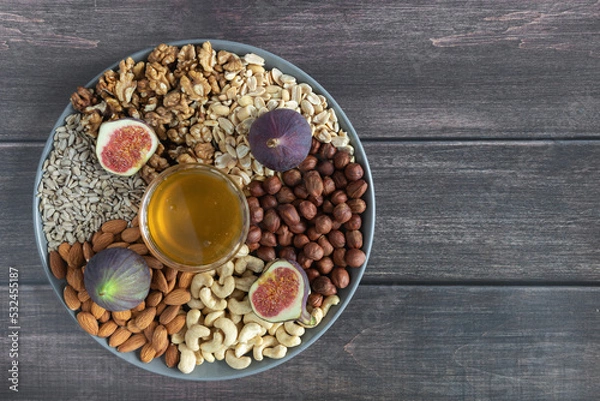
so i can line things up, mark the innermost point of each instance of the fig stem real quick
(273, 142)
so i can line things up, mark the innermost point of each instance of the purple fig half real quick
(124, 146)
(117, 279)
(280, 294)
(280, 139)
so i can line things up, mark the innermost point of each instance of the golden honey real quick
(194, 216)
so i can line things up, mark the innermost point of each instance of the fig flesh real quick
(280, 139)
(124, 146)
(117, 279)
(280, 294)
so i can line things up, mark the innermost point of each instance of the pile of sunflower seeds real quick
(76, 194)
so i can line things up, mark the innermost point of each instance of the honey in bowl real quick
(194, 217)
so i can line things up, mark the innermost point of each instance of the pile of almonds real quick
(312, 214)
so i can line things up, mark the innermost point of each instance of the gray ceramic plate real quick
(220, 370)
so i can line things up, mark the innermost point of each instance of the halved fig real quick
(280, 294)
(124, 146)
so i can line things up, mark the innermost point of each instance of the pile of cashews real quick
(220, 324)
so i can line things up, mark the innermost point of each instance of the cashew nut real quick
(239, 307)
(249, 331)
(286, 339)
(235, 318)
(245, 281)
(328, 302)
(199, 357)
(211, 302)
(244, 348)
(293, 329)
(195, 303)
(214, 344)
(193, 334)
(187, 359)
(179, 337)
(273, 329)
(210, 318)
(192, 317)
(235, 362)
(225, 271)
(276, 352)
(253, 317)
(249, 262)
(257, 351)
(244, 250)
(199, 281)
(223, 290)
(229, 330)
(208, 357)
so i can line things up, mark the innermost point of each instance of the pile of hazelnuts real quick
(312, 214)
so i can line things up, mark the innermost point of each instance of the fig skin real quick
(124, 146)
(117, 279)
(270, 295)
(280, 139)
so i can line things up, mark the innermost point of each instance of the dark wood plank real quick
(392, 342)
(447, 212)
(478, 69)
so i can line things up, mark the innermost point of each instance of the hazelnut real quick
(356, 189)
(326, 245)
(354, 239)
(314, 146)
(354, 223)
(327, 206)
(339, 179)
(337, 239)
(327, 151)
(298, 228)
(304, 261)
(342, 213)
(255, 188)
(312, 234)
(308, 164)
(325, 167)
(285, 195)
(313, 183)
(289, 214)
(254, 235)
(271, 220)
(256, 215)
(315, 300)
(357, 206)
(323, 224)
(337, 197)
(341, 159)
(253, 247)
(252, 202)
(328, 185)
(316, 200)
(272, 184)
(354, 171)
(266, 253)
(311, 273)
(268, 202)
(300, 191)
(286, 237)
(355, 257)
(307, 209)
(292, 177)
(325, 265)
(323, 285)
(300, 240)
(268, 239)
(340, 277)
(339, 257)
(288, 252)
(313, 251)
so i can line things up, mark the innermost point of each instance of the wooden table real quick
(481, 123)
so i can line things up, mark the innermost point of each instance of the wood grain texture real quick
(391, 342)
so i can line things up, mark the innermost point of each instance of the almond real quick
(70, 297)
(119, 337)
(63, 250)
(170, 273)
(178, 296)
(57, 265)
(172, 356)
(169, 314)
(105, 317)
(83, 295)
(75, 258)
(153, 263)
(135, 222)
(97, 310)
(185, 279)
(140, 249)
(88, 252)
(86, 306)
(160, 308)
(149, 331)
(159, 282)
(160, 338)
(124, 315)
(75, 278)
(102, 241)
(131, 234)
(120, 244)
(147, 353)
(88, 322)
(154, 298)
(131, 326)
(145, 317)
(140, 307)
(134, 342)
(176, 324)
(108, 328)
(114, 226)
